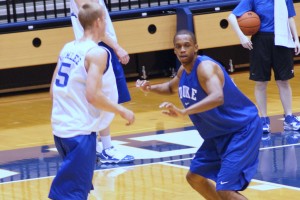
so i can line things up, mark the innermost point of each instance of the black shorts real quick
(266, 56)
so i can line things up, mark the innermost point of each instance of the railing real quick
(21, 10)
(24, 15)
(29, 10)
(12, 11)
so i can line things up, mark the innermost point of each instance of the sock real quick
(98, 146)
(106, 141)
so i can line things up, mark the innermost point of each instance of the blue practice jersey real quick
(265, 10)
(235, 114)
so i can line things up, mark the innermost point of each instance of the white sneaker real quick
(112, 155)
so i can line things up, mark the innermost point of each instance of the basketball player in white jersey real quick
(84, 95)
(107, 153)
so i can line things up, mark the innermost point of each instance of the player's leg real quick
(283, 71)
(231, 195)
(239, 154)
(260, 92)
(204, 166)
(203, 186)
(285, 93)
(106, 152)
(105, 140)
(77, 169)
(260, 72)
(106, 119)
(109, 153)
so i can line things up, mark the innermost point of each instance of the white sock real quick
(98, 146)
(106, 141)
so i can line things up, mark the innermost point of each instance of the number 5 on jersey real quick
(62, 77)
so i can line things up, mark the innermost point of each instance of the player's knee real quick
(189, 177)
(195, 179)
(261, 85)
(224, 194)
(230, 195)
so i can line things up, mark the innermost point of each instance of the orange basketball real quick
(249, 23)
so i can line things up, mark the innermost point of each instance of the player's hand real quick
(246, 42)
(144, 85)
(122, 55)
(172, 110)
(128, 115)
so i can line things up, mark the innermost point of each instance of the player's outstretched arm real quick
(162, 88)
(166, 88)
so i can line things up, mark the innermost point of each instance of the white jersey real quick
(77, 28)
(72, 114)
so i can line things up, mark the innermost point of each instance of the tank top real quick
(233, 115)
(72, 114)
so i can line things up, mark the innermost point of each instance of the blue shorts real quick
(73, 180)
(124, 95)
(230, 160)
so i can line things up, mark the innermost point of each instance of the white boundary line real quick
(33, 179)
(280, 146)
(167, 163)
(275, 184)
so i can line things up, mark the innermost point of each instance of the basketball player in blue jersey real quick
(107, 153)
(224, 117)
(85, 100)
(267, 54)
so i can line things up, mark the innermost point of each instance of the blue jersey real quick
(265, 10)
(234, 114)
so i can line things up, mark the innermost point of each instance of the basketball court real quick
(163, 148)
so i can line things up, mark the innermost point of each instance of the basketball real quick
(249, 23)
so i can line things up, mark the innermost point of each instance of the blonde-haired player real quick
(107, 153)
(83, 88)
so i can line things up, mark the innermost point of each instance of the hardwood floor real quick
(26, 138)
